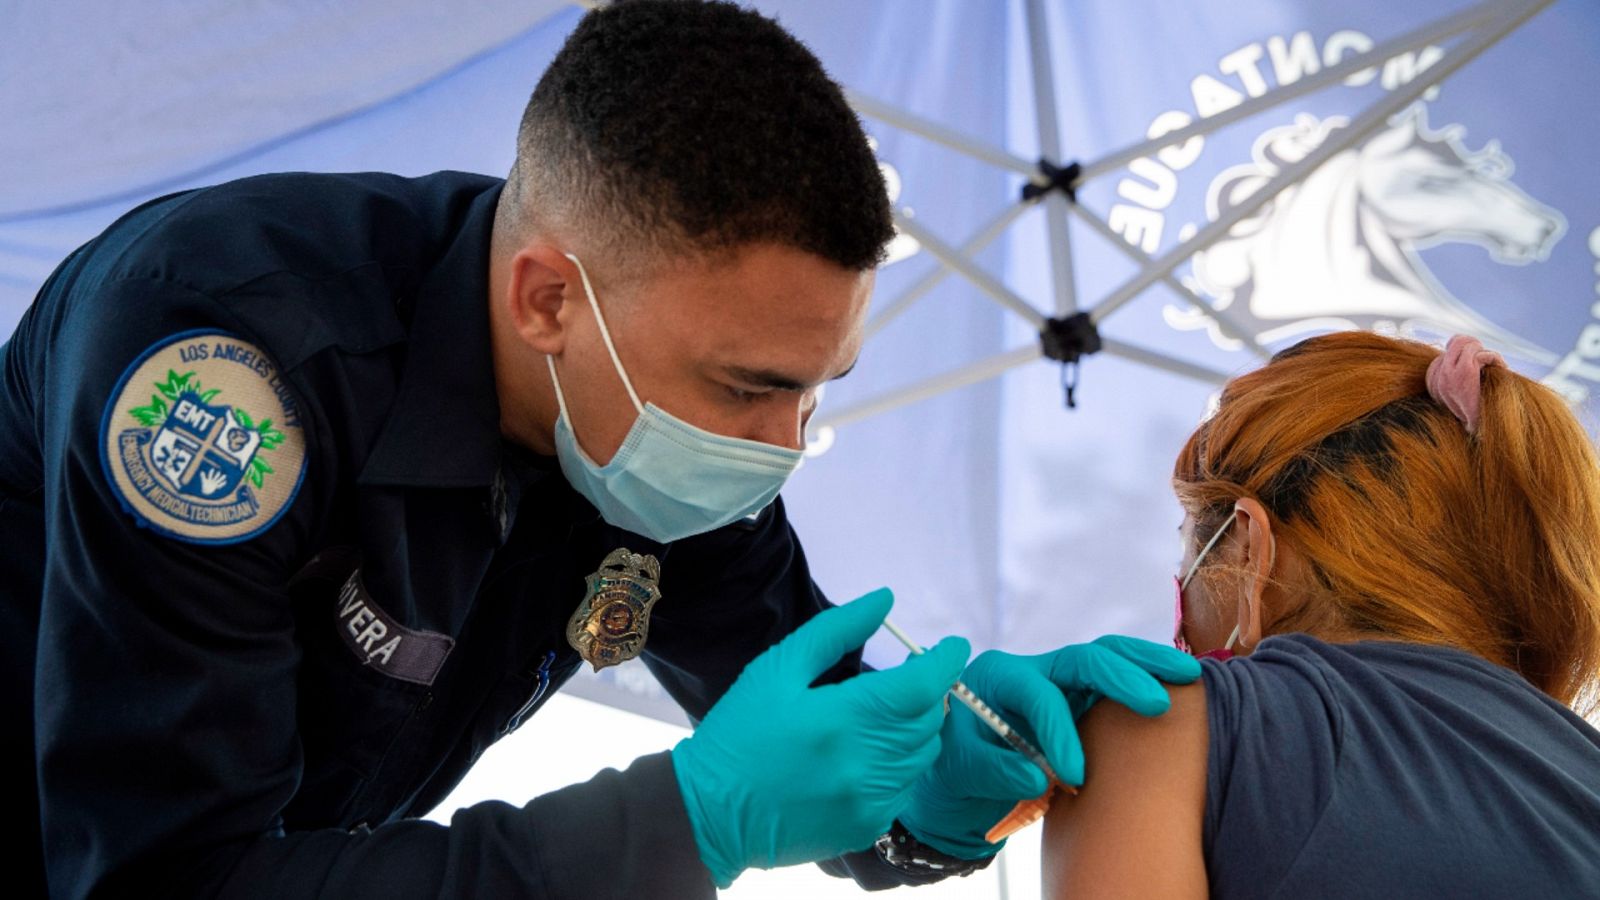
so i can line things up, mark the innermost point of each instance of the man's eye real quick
(743, 396)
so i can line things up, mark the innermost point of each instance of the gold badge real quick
(613, 621)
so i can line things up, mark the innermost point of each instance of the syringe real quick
(1028, 811)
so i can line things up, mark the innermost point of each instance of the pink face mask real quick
(1177, 607)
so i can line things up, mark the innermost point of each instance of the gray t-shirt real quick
(1384, 769)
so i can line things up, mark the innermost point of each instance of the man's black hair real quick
(693, 126)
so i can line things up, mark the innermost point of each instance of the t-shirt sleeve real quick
(1276, 726)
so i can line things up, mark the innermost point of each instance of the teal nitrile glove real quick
(978, 778)
(782, 773)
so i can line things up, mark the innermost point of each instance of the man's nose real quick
(784, 425)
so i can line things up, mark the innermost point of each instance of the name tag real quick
(384, 644)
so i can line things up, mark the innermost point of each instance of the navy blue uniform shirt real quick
(1390, 770)
(272, 581)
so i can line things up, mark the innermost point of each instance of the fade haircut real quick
(669, 128)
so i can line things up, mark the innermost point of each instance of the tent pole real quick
(981, 239)
(1004, 873)
(939, 134)
(1364, 124)
(982, 370)
(993, 366)
(1223, 318)
(1065, 279)
(1057, 232)
(1162, 361)
(1421, 37)
(969, 270)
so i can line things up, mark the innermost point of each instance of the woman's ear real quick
(1260, 554)
(541, 285)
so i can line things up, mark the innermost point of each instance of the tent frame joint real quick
(1052, 177)
(1068, 339)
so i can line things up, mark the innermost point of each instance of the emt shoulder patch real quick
(202, 440)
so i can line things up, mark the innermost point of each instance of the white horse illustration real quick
(1339, 249)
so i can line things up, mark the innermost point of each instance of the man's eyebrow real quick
(776, 380)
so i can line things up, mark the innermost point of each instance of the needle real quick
(983, 712)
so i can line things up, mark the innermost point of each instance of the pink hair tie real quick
(1455, 377)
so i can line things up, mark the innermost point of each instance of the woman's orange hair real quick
(1411, 528)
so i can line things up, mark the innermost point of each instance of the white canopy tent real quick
(979, 111)
(1189, 185)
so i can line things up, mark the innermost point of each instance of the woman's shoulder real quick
(1134, 828)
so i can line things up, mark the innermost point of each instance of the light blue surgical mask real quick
(669, 479)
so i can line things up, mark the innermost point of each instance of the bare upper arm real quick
(1134, 830)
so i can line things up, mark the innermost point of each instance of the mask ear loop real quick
(1195, 566)
(605, 334)
(555, 380)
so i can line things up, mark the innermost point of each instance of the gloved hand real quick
(780, 773)
(977, 778)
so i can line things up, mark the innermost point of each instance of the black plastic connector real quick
(1060, 179)
(1067, 341)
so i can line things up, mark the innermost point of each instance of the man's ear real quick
(540, 294)
(1259, 557)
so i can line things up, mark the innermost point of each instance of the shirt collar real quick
(444, 429)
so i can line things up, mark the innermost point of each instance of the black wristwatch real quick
(901, 849)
